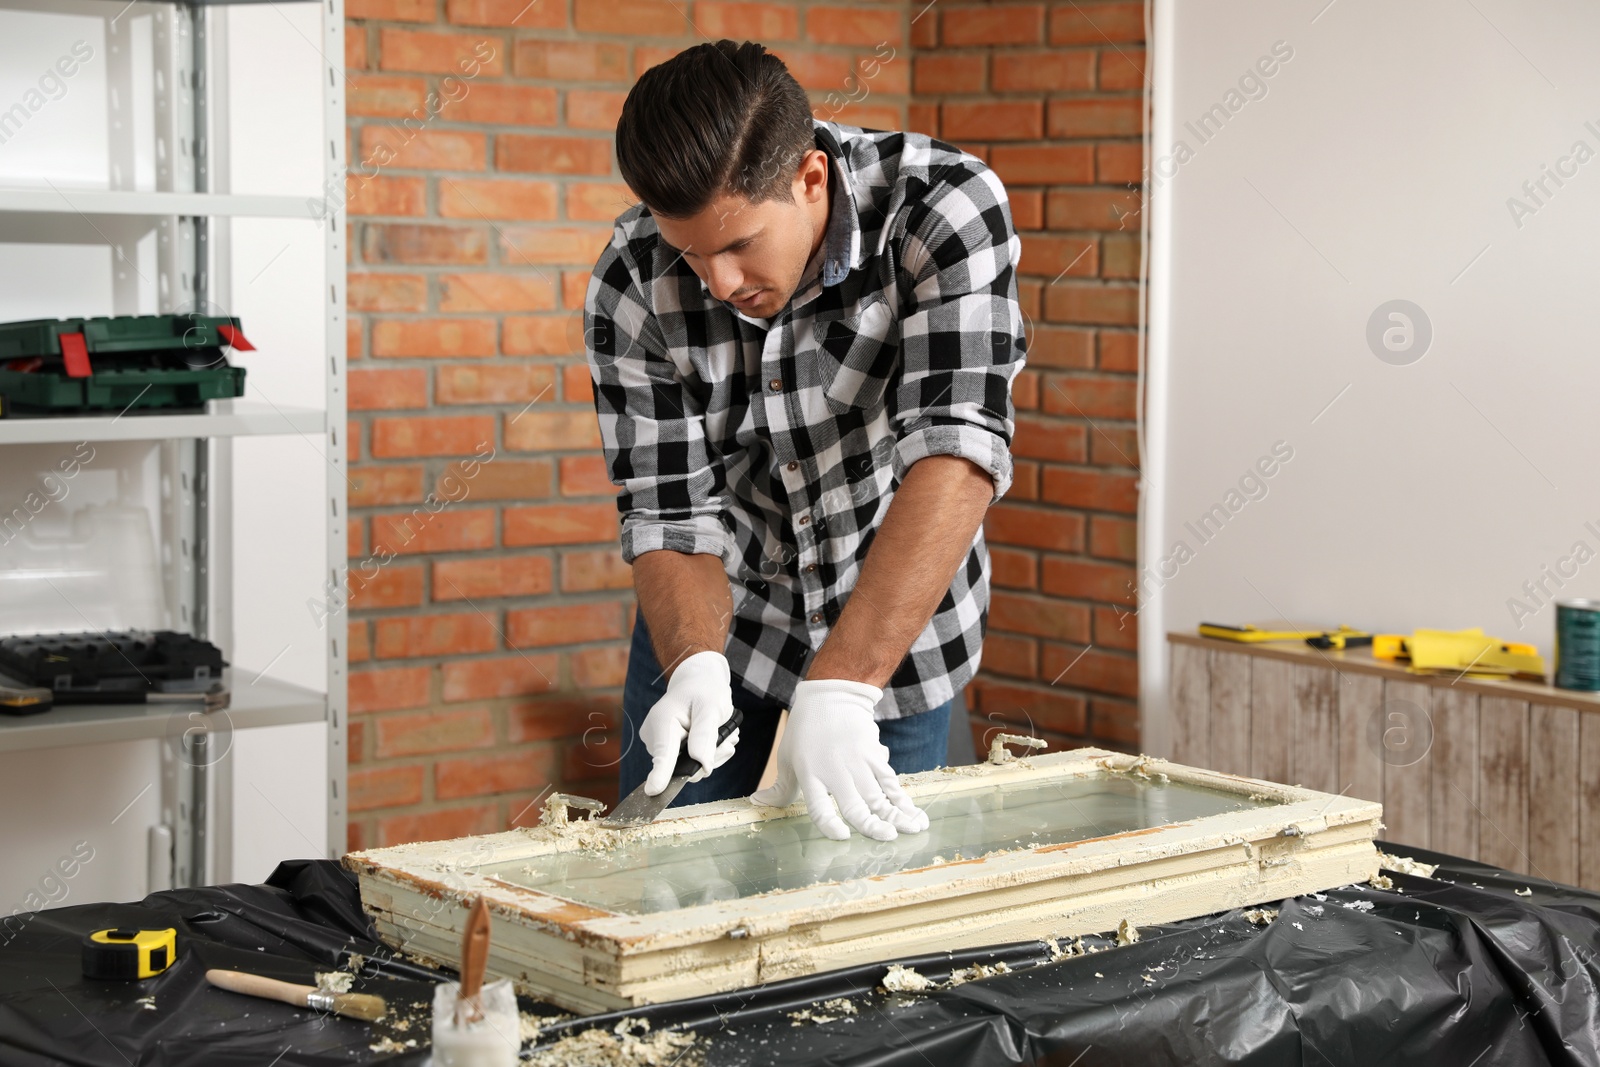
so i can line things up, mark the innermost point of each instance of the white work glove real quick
(698, 701)
(831, 746)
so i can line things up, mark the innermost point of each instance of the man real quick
(802, 341)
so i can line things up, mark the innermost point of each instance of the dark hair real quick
(715, 118)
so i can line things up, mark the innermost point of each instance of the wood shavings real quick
(530, 1026)
(906, 980)
(1525, 892)
(1127, 933)
(1406, 865)
(1077, 948)
(1147, 979)
(977, 971)
(389, 1044)
(147, 1003)
(1358, 905)
(830, 1011)
(998, 753)
(334, 981)
(624, 1045)
(1261, 916)
(586, 834)
(1381, 881)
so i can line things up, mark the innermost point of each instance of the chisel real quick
(640, 807)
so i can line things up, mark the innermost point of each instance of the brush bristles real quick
(363, 1006)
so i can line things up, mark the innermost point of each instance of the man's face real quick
(753, 255)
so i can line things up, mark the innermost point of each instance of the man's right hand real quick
(698, 701)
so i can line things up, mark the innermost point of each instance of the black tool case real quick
(111, 667)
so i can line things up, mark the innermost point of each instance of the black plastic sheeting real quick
(1466, 970)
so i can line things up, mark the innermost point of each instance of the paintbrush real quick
(363, 1006)
(474, 961)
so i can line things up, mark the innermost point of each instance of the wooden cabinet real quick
(1503, 772)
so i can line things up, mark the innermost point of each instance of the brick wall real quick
(1051, 96)
(489, 606)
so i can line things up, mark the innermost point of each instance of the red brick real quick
(1027, 208)
(553, 244)
(574, 287)
(434, 635)
(496, 198)
(1116, 627)
(427, 732)
(1112, 538)
(506, 105)
(543, 335)
(433, 337)
(548, 718)
(853, 25)
(1114, 446)
(1038, 708)
(385, 146)
(388, 690)
(577, 385)
(1024, 481)
(566, 624)
(393, 586)
(594, 109)
(587, 571)
(355, 48)
(539, 154)
(384, 95)
(1012, 568)
(495, 383)
(485, 579)
(1094, 489)
(386, 292)
(1119, 351)
(1045, 71)
(520, 291)
(384, 787)
(867, 116)
(925, 27)
(1009, 524)
(476, 776)
(522, 14)
(642, 18)
(1114, 720)
(1122, 68)
(822, 71)
(1000, 120)
(418, 435)
(1025, 390)
(598, 202)
(1038, 438)
(1096, 398)
(593, 756)
(1101, 117)
(426, 52)
(959, 73)
(424, 244)
(352, 338)
(1049, 256)
(1058, 164)
(599, 668)
(1091, 209)
(502, 676)
(560, 524)
(1061, 347)
(550, 431)
(646, 56)
(444, 825)
(450, 530)
(359, 645)
(1119, 164)
(569, 61)
(1039, 616)
(1119, 256)
(385, 196)
(391, 10)
(503, 479)
(375, 486)
(889, 75)
(585, 476)
(1075, 668)
(999, 24)
(381, 390)
(1106, 582)
(1016, 657)
(747, 21)
(1101, 305)
(1090, 23)
(355, 538)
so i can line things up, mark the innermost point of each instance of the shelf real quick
(120, 202)
(225, 418)
(257, 701)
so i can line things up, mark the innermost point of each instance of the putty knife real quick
(640, 807)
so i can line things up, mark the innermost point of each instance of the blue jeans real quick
(915, 742)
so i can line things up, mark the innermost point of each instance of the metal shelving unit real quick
(197, 781)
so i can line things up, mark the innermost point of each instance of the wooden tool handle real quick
(255, 985)
(475, 950)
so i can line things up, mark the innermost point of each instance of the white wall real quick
(1376, 167)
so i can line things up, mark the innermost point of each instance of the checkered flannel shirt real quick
(777, 444)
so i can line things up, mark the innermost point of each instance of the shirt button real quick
(816, 616)
(804, 519)
(776, 384)
(794, 466)
(810, 567)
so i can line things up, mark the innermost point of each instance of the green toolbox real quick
(113, 364)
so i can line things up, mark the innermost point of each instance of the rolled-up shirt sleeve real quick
(962, 340)
(652, 426)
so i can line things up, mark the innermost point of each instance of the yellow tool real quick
(129, 954)
(1249, 633)
(1461, 652)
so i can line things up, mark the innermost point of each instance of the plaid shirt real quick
(778, 443)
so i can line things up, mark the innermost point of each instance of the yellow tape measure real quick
(129, 954)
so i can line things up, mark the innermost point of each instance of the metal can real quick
(1578, 645)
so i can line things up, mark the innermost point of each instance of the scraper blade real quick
(639, 807)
